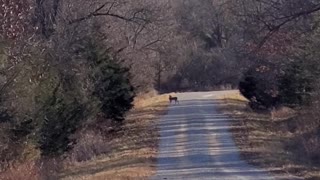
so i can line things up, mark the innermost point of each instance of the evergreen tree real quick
(60, 118)
(111, 83)
(296, 84)
(260, 87)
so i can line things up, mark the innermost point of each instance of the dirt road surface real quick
(195, 143)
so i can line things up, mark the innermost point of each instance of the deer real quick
(175, 99)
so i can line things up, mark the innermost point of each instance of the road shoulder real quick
(263, 142)
(134, 148)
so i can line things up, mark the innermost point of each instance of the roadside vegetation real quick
(128, 153)
(282, 141)
(104, 151)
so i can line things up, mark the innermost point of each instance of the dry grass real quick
(269, 139)
(33, 169)
(232, 96)
(25, 171)
(150, 100)
(130, 152)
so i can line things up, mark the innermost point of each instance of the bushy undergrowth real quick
(307, 138)
(295, 86)
(46, 110)
(266, 87)
(61, 120)
(259, 86)
(90, 144)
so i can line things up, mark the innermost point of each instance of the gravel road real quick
(195, 143)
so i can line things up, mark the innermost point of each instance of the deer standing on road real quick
(175, 99)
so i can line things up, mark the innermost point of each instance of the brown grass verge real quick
(25, 171)
(130, 153)
(268, 143)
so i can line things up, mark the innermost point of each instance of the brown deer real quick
(175, 99)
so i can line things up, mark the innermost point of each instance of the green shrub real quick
(61, 119)
(111, 84)
(60, 114)
(259, 85)
(296, 84)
